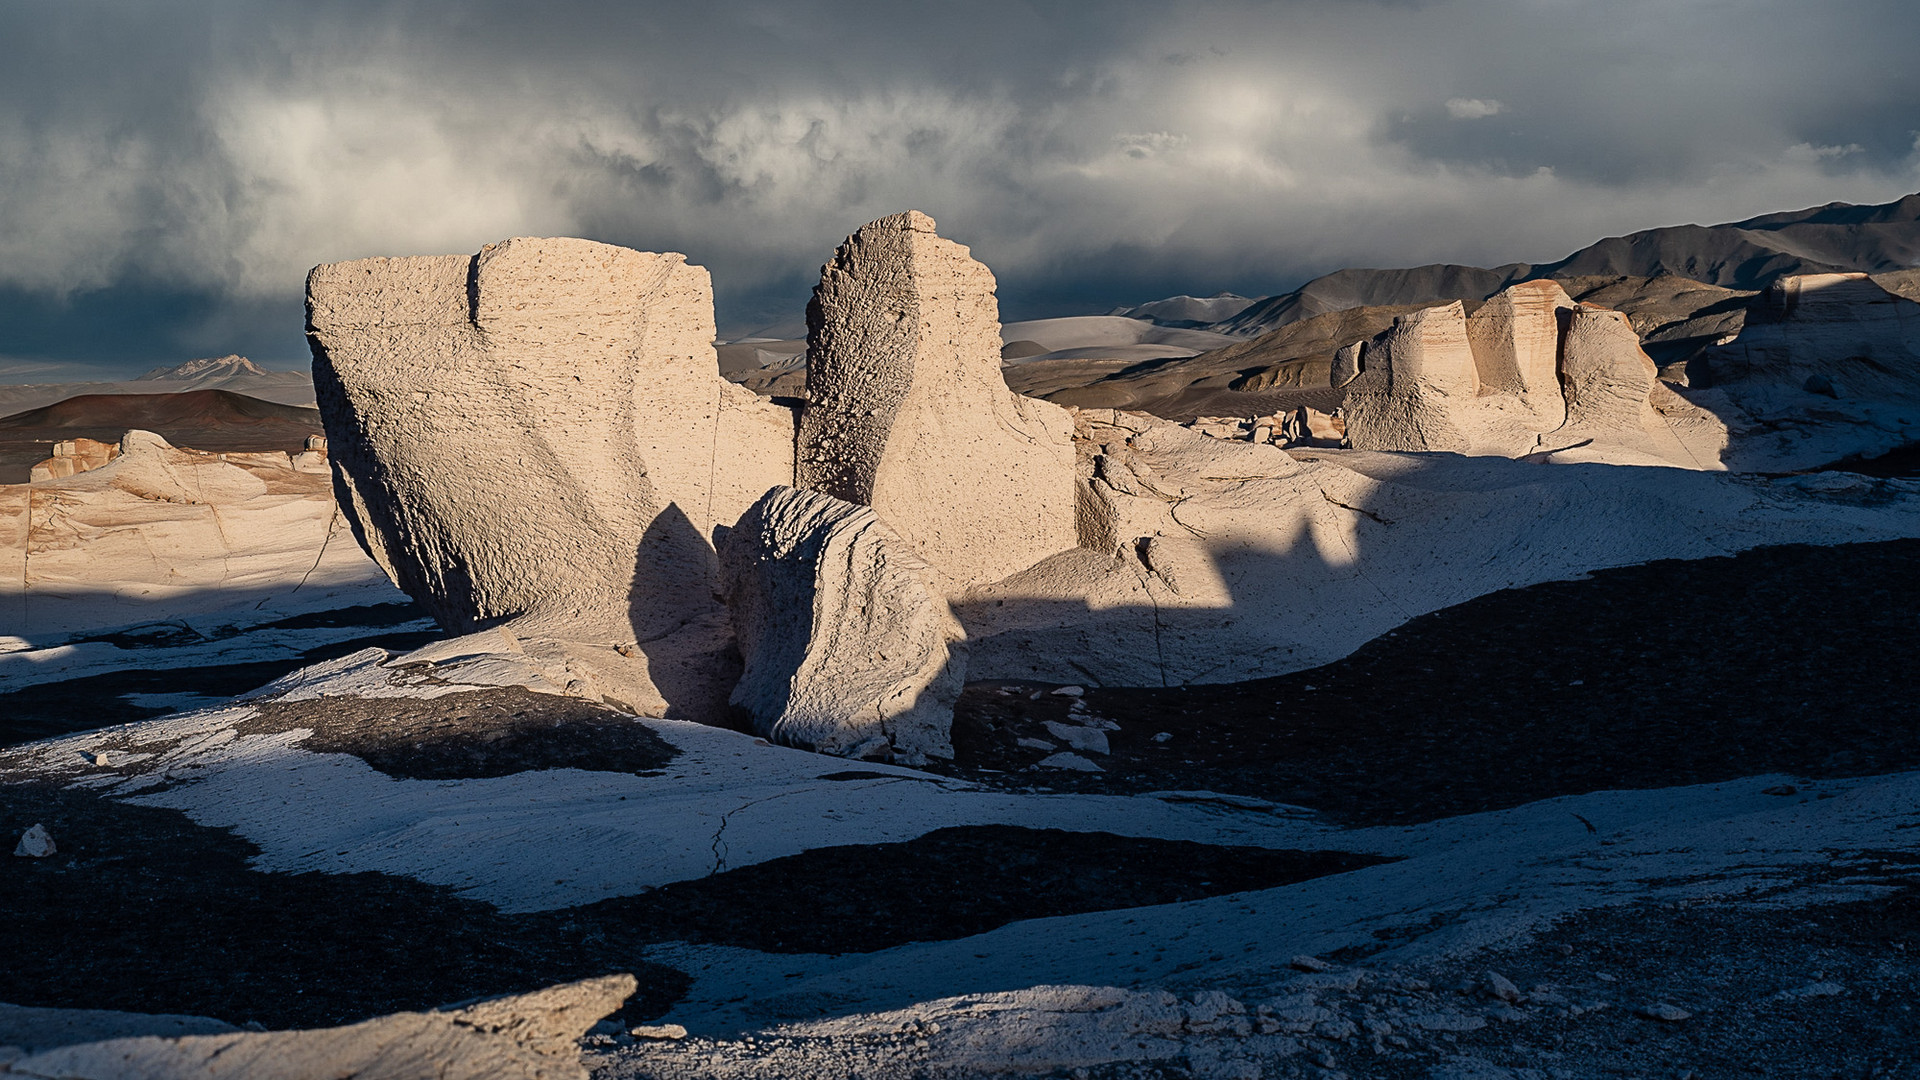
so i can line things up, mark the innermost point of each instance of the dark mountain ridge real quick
(1744, 255)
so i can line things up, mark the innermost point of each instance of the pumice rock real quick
(1609, 383)
(1515, 338)
(527, 1037)
(907, 410)
(849, 650)
(1417, 382)
(538, 435)
(1529, 374)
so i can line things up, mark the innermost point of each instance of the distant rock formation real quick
(1828, 366)
(907, 411)
(163, 525)
(1531, 372)
(538, 436)
(849, 650)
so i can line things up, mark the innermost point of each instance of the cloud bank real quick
(169, 172)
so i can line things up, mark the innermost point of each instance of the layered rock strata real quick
(907, 411)
(538, 435)
(848, 648)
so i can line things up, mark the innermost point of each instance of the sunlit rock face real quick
(1529, 372)
(538, 435)
(907, 410)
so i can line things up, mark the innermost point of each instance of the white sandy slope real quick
(1084, 331)
(1264, 562)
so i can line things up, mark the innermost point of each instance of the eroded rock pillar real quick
(907, 411)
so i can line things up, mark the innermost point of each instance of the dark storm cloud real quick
(168, 172)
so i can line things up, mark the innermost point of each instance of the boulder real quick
(907, 410)
(849, 649)
(525, 1037)
(538, 435)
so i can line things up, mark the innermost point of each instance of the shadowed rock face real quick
(538, 433)
(907, 411)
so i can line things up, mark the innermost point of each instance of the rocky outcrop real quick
(907, 411)
(849, 650)
(1515, 338)
(538, 435)
(1417, 385)
(74, 456)
(528, 1037)
(1528, 373)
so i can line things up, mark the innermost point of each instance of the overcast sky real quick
(169, 171)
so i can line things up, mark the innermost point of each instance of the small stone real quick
(1660, 1010)
(1500, 986)
(1065, 760)
(1071, 691)
(1164, 736)
(1038, 744)
(1811, 990)
(35, 843)
(1309, 963)
(1086, 739)
(658, 1031)
(1780, 789)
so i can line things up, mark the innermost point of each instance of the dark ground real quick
(1791, 659)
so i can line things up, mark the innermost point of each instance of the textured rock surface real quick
(1416, 382)
(539, 433)
(1529, 373)
(848, 649)
(162, 530)
(519, 1038)
(1828, 366)
(1516, 345)
(907, 411)
(1609, 383)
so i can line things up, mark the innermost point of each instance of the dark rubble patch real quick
(469, 735)
(1794, 659)
(954, 883)
(143, 910)
(50, 709)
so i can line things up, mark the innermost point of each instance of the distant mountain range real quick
(1741, 255)
(230, 366)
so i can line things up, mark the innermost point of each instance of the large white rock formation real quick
(907, 411)
(848, 648)
(538, 435)
(1529, 373)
